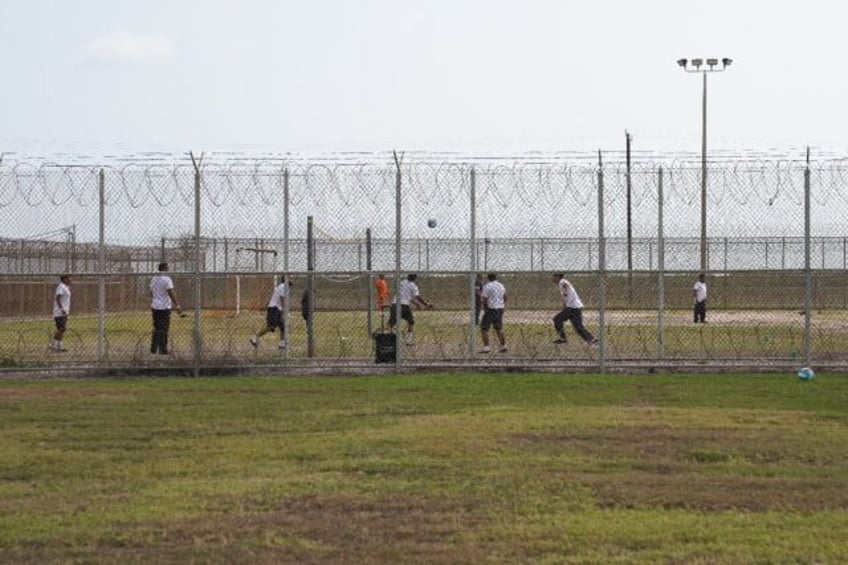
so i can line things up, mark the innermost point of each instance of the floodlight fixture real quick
(699, 65)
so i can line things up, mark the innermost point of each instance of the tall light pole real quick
(709, 66)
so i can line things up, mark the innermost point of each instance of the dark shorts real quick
(61, 323)
(405, 314)
(273, 318)
(492, 318)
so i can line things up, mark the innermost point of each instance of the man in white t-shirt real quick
(409, 296)
(274, 314)
(699, 292)
(493, 296)
(162, 299)
(572, 311)
(61, 310)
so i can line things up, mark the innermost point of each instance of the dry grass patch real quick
(323, 529)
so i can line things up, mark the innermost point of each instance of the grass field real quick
(458, 468)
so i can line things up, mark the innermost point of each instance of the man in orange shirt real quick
(382, 288)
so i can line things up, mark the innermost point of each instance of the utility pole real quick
(704, 66)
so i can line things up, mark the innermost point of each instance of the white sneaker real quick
(254, 343)
(502, 349)
(486, 349)
(282, 344)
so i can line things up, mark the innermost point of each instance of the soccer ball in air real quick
(806, 374)
(431, 223)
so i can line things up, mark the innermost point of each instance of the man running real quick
(274, 315)
(572, 311)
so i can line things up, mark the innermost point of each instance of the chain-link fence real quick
(627, 239)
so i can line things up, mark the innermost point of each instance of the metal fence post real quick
(472, 261)
(660, 266)
(287, 305)
(101, 277)
(197, 268)
(629, 221)
(310, 286)
(808, 275)
(370, 291)
(601, 268)
(398, 263)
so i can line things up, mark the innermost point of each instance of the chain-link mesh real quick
(228, 230)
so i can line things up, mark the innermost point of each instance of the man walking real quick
(274, 318)
(572, 311)
(409, 296)
(162, 299)
(493, 297)
(699, 292)
(61, 309)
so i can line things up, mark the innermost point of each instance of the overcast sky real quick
(439, 75)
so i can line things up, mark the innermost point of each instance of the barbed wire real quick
(512, 199)
(241, 183)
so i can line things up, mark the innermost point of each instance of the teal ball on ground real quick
(806, 374)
